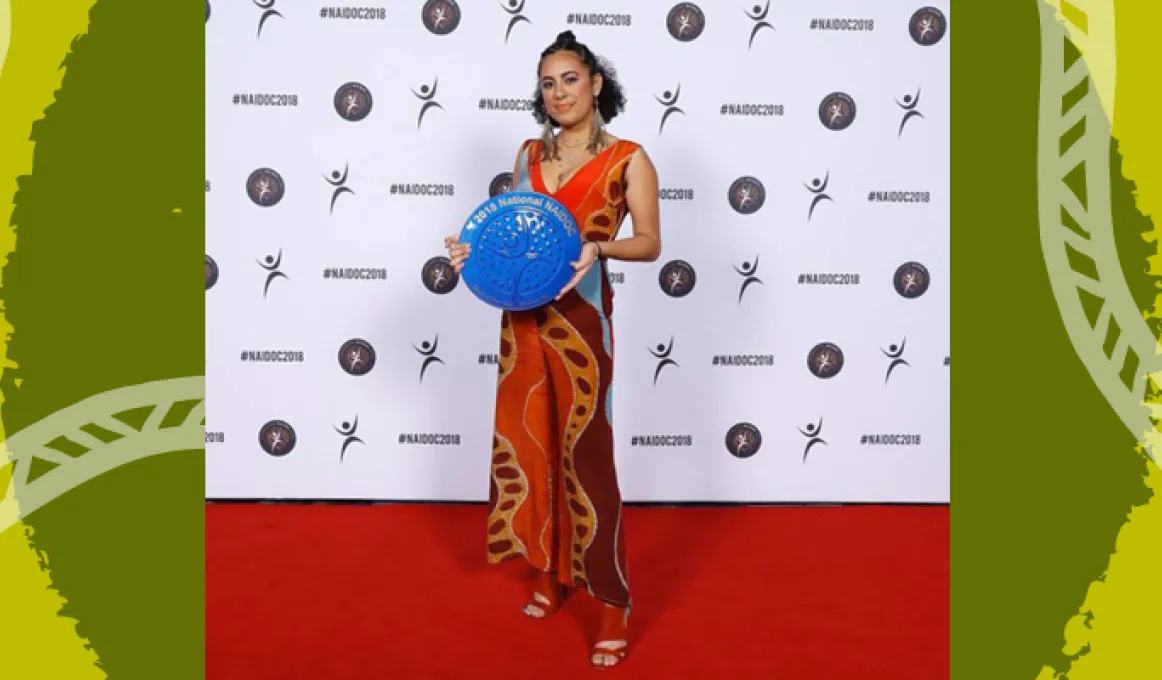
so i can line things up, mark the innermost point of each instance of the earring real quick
(598, 123)
(548, 141)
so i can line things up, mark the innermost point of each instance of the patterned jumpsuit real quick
(554, 495)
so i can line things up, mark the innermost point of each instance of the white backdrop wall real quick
(336, 244)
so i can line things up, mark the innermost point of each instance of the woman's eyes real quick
(569, 80)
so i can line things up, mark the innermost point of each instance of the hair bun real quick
(566, 37)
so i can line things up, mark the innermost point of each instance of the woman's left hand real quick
(582, 266)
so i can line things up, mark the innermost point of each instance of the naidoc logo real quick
(357, 357)
(268, 11)
(505, 104)
(759, 16)
(662, 354)
(500, 184)
(675, 194)
(265, 187)
(427, 95)
(277, 438)
(743, 440)
(422, 189)
(264, 99)
(515, 9)
(438, 275)
(897, 196)
(354, 274)
(428, 351)
(268, 356)
(818, 189)
(441, 17)
(927, 26)
(347, 430)
(661, 440)
(353, 13)
(339, 181)
(669, 102)
(353, 102)
(825, 360)
(430, 438)
(911, 280)
(748, 272)
(677, 278)
(890, 440)
(597, 19)
(895, 355)
(736, 109)
(685, 22)
(837, 111)
(910, 111)
(848, 279)
(813, 432)
(211, 272)
(746, 195)
(273, 267)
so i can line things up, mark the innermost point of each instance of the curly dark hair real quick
(611, 99)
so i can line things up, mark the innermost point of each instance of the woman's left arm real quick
(645, 245)
(642, 196)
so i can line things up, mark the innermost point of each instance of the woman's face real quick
(568, 88)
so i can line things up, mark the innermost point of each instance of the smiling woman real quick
(554, 498)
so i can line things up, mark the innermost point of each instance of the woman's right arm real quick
(516, 166)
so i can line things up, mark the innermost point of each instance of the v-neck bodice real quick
(539, 170)
(594, 195)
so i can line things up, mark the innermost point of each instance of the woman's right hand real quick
(457, 252)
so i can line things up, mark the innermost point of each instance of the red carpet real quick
(330, 592)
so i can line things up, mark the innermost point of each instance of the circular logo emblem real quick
(825, 360)
(837, 111)
(746, 195)
(441, 16)
(685, 22)
(911, 280)
(439, 276)
(677, 278)
(521, 250)
(743, 440)
(353, 102)
(277, 438)
(357, 357)
(211, 272)
(927, 26)
(500, 184)
(265, 187)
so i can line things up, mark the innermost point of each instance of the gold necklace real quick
(580, 143)
(568, 158)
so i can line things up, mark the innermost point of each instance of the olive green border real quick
(1044, 472)
(104, 290)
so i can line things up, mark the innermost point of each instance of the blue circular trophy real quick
(523, 246)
